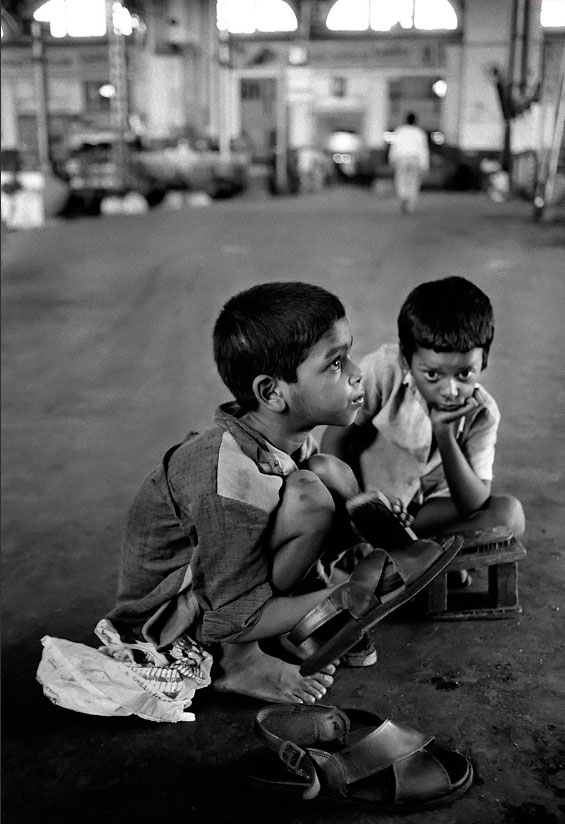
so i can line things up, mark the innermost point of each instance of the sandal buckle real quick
(291, 755)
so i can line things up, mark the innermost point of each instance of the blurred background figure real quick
(410, 158)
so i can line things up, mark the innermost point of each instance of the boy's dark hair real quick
(449, 315)
(269, 330)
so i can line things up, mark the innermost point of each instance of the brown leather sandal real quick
(353, 757)
(380, 583)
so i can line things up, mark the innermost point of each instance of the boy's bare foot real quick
(245, 669)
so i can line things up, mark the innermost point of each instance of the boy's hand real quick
(443, 418)
(400, 512)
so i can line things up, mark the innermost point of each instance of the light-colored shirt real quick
(410, 143)
(398, 462)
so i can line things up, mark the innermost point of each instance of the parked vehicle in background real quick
(89, 165)
(194, 164)
(353, 161)
(308, 170)
(450, 167)
(150, 168)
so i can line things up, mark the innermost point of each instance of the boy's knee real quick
(509, 513)
(335, 474)
(307, 495)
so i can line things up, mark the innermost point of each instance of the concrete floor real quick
(107, 361)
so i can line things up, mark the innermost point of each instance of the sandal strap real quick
(317, 617)
(352, 596)
(408, 562)
(420, 555)
(383, 747)
(370, 569)
(420, 777)
(298, 761)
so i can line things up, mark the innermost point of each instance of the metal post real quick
(512, 44)
(210, 55)
(282, 133)
(224, 68)
(507, 147)
(225, 112)
(558, 131)
(118, 102)
(41, 93)
(525, 52)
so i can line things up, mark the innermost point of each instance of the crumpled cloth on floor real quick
(120, 679)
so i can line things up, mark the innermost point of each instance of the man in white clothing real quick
(410, 157)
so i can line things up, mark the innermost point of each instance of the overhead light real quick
(297, 55)
(107, 90)
(439, 88)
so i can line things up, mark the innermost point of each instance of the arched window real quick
(426, 15)
(83, 18)
(553, 14)
(382, 15)
(249, 16)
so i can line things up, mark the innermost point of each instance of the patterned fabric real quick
(195, 549)
(398, 462)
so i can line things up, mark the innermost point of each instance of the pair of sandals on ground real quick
(348, 755)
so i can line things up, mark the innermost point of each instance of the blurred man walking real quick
(410, 158)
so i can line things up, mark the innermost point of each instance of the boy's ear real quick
(268, 393)
(404, 360)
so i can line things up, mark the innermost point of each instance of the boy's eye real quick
(336, 364)
(465, 374)
(431, 375)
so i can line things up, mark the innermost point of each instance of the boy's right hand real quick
(443, 418)
(400, 512)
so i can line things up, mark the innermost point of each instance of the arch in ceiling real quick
(381, 15)
(553, 14)
(249, 16)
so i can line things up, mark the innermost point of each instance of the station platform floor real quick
(107, 361)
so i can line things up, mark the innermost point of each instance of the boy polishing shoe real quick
(380, 583)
